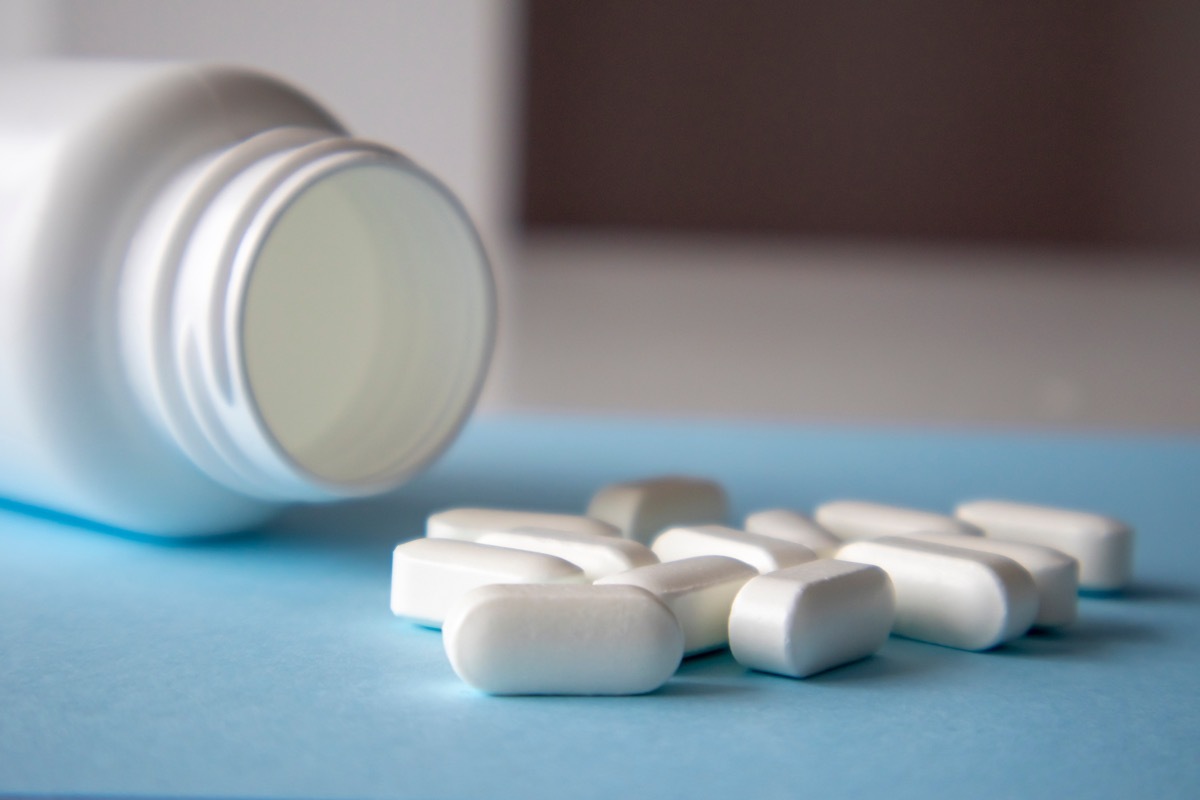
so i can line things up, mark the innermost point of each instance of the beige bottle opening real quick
(366, 324)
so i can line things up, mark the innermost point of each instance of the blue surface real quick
(267, 665)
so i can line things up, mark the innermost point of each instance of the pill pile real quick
(610, 602)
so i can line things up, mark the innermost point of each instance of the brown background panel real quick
(1019, 121)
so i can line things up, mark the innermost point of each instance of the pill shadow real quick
(1148, 592)
(673, 688)
(898, 663)
(895, 664)
(1085, 638)
(677, 687)
(715, 664)
(711, 673)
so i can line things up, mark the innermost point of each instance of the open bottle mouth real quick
(365, 324)
(315, 319)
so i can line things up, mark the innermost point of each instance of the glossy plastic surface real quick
(87, 148)
(174, 358)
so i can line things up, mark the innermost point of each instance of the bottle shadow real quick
(354, 529)
(366, 530)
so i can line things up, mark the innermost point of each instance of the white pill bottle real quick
(214, 302)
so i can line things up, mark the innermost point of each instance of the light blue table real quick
(267, 665)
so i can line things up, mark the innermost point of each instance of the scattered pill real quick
(556, 639)
(468, 524)
(1102, 545)
(783, 523)
(597, 556)
(809, 618)
(539, 603)
(950, 595)
(699, 592)
(1055, 573)
(764, 553)
(854, 520)
(428, 575)
(641, 509)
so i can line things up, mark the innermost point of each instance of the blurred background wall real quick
(920, 212)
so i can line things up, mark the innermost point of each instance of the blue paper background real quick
(267, 665)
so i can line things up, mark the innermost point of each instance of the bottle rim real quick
(222, 397)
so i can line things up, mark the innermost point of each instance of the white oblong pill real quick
(855, 520)
(468, 524)
(764, 553)
(699, 592)
(809, 618)
(783, 523)
(597, 556)
(429, 575)
(641, 509)
(563, 640)
(1102, 545)
(950, 595)
(1055, 573)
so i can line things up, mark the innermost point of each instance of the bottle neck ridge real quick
(307, 316)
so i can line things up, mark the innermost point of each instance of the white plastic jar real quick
(214, 302)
